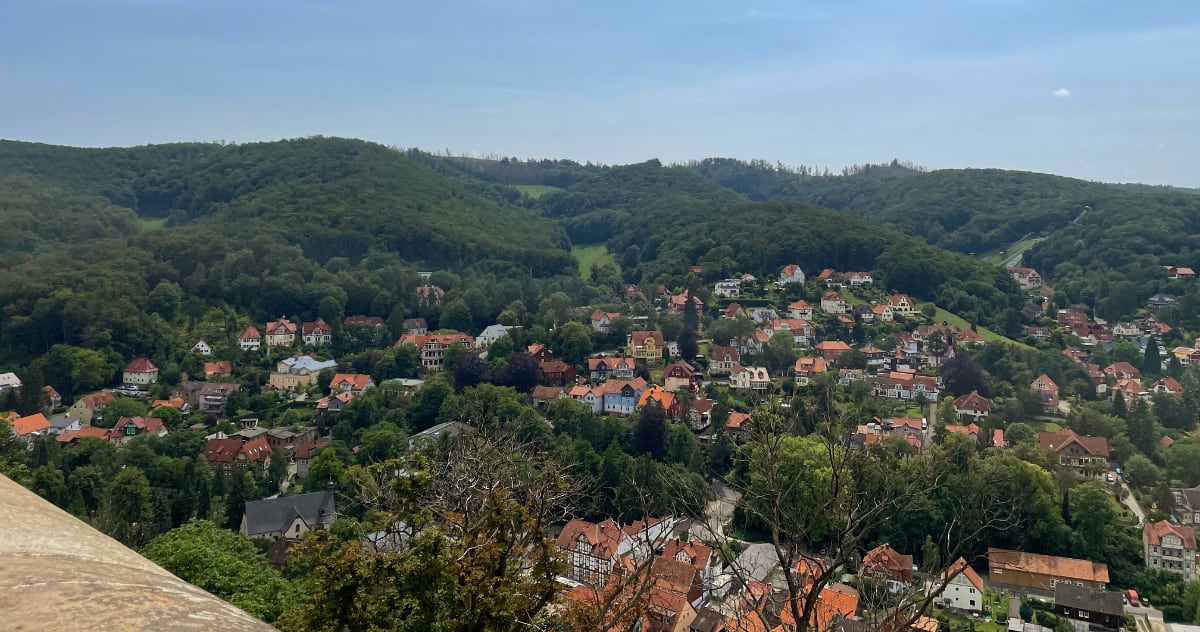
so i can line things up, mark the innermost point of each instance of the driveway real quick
(1131, 502)
(717, 513)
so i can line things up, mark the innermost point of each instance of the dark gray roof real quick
(707, 620)
(1092, 599)
(317, 509)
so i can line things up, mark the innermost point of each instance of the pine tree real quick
(1151, 361)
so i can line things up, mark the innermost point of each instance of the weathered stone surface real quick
(58, 573)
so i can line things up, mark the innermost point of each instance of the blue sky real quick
(1098, 90)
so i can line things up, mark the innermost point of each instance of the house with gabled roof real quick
(1047, 393)
(1027, 278)
(903, 305)
(1076, 450)
(791, 274)
(807, 369)
(317, 333)
(883, 313)
(750, 378)
(601, 369)
(202, 348)
(602, 321)
(1177, 272)
(657, 395)
(830, 350)
(964, 588)
(722, 359)
(680, 375)
(886, 563)
(289, 516)
(800, 309)
(833, 303)
(249, 339)
(280, 333)
(30, 426)
(738, 425)
(1168, 385)
(1122, 370)
(432, 347)
(229, 452)
(972, 406)
(415, 326)
(127, 428)
(218, 368)
(351, 383)
(1170, 548)
(645, 345)
(139, 373)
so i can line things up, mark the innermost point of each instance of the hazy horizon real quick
(1069, 88)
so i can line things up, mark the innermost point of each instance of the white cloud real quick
(1062, 93)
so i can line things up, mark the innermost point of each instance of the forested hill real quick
(966, 210)
(659, 221)
(302, 228)
(332, 197)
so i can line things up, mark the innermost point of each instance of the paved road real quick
(1131, 502)
(717, 513)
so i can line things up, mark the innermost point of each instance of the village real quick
(794, 334)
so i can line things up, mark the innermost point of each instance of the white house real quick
(317, 333)
(729, 288)
(202, 348)
(140, 372)
(800, 309)
(964, 592)
(9, 381)
(490, 334)
(750, 378)
(249, 339)
(791, 274)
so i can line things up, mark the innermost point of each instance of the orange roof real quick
(1154, 532)
(833, 345)
(737, 420)
(220, 367)
(960, 566)
(69, 436)
(658, 394)
(973, 401)
(357, 381)
(1062, 567)
(174, 402)
(836, 600)
(249, 333)
(36, 422)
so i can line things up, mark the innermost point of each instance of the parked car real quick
(1132, 596)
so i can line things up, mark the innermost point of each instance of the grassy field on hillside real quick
(985, 333)
(535, 190)
(150, 223)
(589, 255)
(1012, 250)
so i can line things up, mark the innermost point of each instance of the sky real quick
(1098, 90)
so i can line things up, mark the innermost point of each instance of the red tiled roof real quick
(36, 422)
(1062, 567)
(220, 367)
(737, 421)
(141, 365)
(1153, 532)
(357, 381)
(317, 325)
(960, 566)
(973, 401)
(70, 436)
(1057, 441)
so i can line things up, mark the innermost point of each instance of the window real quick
(998, 571)
(972, 591)
(972, 602)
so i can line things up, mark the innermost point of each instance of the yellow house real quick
(646, 345)
(298, 373)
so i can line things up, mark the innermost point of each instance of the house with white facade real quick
(728, 288)
(791, 274)
(964, 592)
(202, 348)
